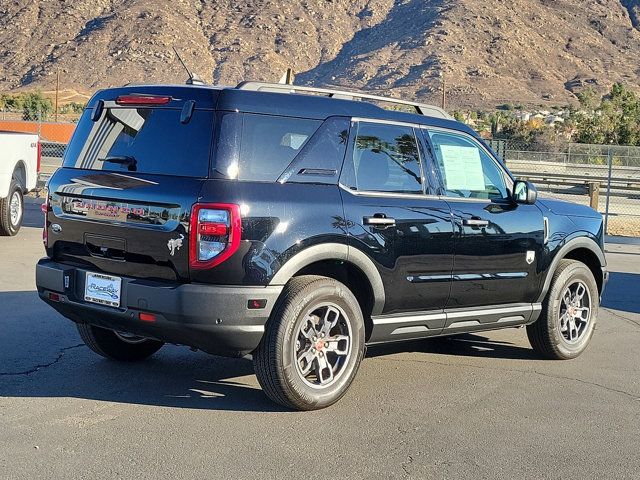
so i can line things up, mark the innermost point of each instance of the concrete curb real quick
(621, 240)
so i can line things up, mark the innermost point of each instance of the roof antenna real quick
(193, 79)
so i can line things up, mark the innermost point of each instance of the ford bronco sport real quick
(300, 225)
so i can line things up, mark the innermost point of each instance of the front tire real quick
(312, 346)
(11, 210)
(117, 346)
(569, 313)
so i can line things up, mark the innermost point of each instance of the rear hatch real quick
(121, 202)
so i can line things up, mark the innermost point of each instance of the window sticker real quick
(462, 168)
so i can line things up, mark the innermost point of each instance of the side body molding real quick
(334, 251)
(575, 243)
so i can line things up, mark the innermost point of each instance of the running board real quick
(450, 321)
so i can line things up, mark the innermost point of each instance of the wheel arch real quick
(345, 264)
(584, 250)
(20, 174)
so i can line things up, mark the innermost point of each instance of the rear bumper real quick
(212, 318)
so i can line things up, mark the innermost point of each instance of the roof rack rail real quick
(421, 108)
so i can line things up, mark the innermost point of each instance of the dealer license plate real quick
(102, 289)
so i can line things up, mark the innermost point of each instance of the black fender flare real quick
(579, 242)
(335, 251)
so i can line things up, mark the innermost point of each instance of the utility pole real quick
(57, 90)
(444, 92)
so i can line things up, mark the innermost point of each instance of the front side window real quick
(386, 159)
(465, 169)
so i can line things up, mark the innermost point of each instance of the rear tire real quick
(569, 313)
(11, 210)
(312, 346)
(117, 346)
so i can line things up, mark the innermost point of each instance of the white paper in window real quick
(462, 168)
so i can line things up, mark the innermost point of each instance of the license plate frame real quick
(103, 289)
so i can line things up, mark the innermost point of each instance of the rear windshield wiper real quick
(123, 160)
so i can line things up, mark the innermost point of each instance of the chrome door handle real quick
(379, 220)
(475, 222)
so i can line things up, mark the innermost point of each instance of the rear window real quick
(259, 148)
(146, 140)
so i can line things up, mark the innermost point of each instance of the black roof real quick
(286, 104)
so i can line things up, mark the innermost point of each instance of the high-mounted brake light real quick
(214, 234)
(142, 100)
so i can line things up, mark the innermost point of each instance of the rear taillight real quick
(215, 233)
(39, 163)
(45, 230)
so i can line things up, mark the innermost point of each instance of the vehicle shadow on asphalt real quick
(178, 379)
(621, 292)
(465, 345)
(42, 356)
(33, 216)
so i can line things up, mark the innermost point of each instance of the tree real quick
(588, 98)
(72, 107)
(615, 120)
(35, 106)
(10, 102)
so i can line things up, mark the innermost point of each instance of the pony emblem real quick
(175, 244)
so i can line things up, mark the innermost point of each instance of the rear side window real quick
(268, 144)
(320, 161)
(146, 140)
(386, 159)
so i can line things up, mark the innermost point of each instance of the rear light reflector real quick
(147, 317)
(45, 228)
(39, 162)
(214, 234)
(142, 100)
(54, 297)
(257, 304)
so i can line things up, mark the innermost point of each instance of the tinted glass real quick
(386, 159)
(144, 140)
(465, 169)
(270, 143)
(321, 158)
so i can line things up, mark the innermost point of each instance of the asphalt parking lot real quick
(478, 406)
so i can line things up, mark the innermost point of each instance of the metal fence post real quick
(606, 210)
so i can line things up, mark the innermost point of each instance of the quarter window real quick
(465, 169)
(386, 159)
(257, 147)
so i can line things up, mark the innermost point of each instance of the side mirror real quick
(524, 192)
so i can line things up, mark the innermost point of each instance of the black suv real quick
(300, 225)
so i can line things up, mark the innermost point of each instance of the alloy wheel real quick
(575, 312)
(323, 345)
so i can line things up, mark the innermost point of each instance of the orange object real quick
(51, 132)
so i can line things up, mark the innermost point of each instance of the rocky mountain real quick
(487, 51)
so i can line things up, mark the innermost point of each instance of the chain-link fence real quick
(606, 177)
(54, 130)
